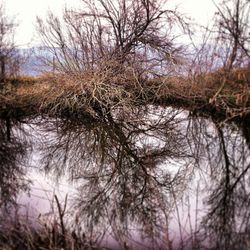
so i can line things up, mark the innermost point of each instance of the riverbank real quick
(224, 95)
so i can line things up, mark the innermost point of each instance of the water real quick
(145, 177)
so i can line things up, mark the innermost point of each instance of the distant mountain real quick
(31, 60)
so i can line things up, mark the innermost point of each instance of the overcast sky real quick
(27, 10)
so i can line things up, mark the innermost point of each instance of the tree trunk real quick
(2, 66)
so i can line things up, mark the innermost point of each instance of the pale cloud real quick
(201, 11)
(27, 10)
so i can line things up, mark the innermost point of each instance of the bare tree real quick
(9, 55)
(122, 32)
(233, 27)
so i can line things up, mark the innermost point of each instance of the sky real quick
(26, 11)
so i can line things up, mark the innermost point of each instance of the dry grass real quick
(222, 93)
(50, 231)
(22, 235)
(97, 92)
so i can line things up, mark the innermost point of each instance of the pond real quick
(145, 177)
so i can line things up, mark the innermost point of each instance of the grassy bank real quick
(222, 94)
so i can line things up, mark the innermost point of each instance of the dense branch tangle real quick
(109, 48)
(134, 33)
(232, 21)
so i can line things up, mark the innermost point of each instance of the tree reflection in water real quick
(133, 168)
(124, 169)
(223, 154)
(13, 163)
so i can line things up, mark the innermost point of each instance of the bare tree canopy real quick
(233, 27)
(9, 55)
(133, 33)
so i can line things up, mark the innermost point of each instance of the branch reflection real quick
(13, 162)
(133, 168)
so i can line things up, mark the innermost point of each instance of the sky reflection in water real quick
(149, 174)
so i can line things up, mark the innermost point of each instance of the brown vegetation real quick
(118, 55)
(96, 93)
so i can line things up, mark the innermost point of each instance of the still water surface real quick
(145, 177)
